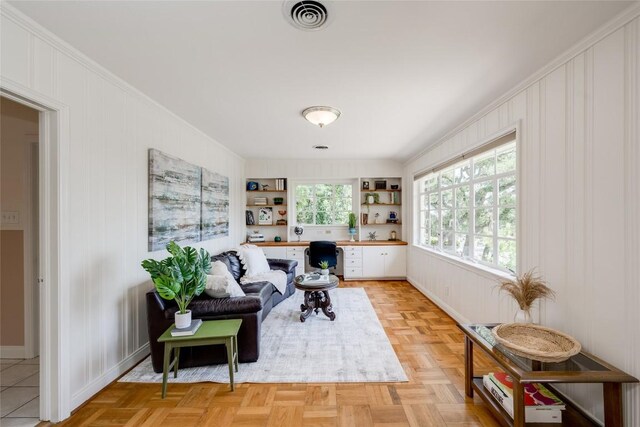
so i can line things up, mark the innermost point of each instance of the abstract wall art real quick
(187, 203)
(215, 205)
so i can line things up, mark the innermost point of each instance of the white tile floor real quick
(19, 391)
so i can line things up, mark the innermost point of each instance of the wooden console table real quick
(581, 368)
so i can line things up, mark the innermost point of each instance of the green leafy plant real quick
(182, 276)
(352, 220)
(324, 265)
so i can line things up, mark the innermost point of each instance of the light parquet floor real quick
(426, 340)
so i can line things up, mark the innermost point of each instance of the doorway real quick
(19, 265)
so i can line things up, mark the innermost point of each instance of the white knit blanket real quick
(277, 277)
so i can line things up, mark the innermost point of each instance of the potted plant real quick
(180, 277)
(324, 268)
(526, 289)
(372, 198)
(352, 226)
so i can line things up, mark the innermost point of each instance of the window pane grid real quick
(470, 208)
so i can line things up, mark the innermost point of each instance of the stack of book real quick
(281, 184)
(260, 201)
(541, 406)
(192, 329)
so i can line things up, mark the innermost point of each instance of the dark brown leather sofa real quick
(252, 309)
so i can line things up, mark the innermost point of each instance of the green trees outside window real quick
(469, 208)
(323, 204)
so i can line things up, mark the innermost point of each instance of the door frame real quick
(53, 277)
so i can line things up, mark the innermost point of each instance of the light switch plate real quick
(10, 217)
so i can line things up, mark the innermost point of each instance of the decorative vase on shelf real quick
(324, 271)
(370, 200)
(352, 233)
(522, 316)
(183, 320)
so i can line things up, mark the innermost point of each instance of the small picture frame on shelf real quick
(365, 185)
(365, 219)
(250, 219)
(381, 185)
(265, 216)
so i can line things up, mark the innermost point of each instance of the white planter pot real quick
(324, 272)
(183, 321)
(370, 200)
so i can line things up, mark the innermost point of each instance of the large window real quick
(468, 208)
(323, 204)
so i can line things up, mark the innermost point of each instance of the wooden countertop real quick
(339, 243)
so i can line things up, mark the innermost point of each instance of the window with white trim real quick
(468, 208)
(323, 203)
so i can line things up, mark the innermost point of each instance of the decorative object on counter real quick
(265, 216)
(391, 199)
(365, 185)
(393, 217)
(393, 236)
(249, 218)
(252, 186)
(395, 186)
(352, 226)
(278, 200)
(324, 268)
(525, 290)
(536, 342)
(277, 239)
(365, 219)
(265, 187)
(180, 277)
(381, 185)
(282, 221)
(298, 230)
(372, 236)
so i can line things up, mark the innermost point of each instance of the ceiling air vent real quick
(308, 15)
(320, 147)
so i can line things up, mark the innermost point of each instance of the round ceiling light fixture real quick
(320, 115)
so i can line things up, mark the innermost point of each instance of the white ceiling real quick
(402, 73)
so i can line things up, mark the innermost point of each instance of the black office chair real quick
(323, 251)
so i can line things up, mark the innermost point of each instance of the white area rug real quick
(353, 348)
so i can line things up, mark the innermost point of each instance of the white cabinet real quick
(384, 261)
(352, 262)
(297, 253)
(275, 252)
(395, 261)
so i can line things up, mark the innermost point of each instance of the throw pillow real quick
(221, 284)
(253, 260)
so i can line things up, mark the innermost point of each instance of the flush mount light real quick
(321, 116)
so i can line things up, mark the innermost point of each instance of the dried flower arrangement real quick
(526, 289)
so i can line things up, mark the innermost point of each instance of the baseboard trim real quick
(437, 301)
(108, 377)
(12, 352)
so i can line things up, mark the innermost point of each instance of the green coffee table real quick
(210, 332)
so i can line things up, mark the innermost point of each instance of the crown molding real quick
(10, 12)
(619, 21)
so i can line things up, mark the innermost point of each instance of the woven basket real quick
(536, 342)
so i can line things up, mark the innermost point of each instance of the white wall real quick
(112, 126)
(580, 204)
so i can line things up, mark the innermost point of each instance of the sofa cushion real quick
(253, 260)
